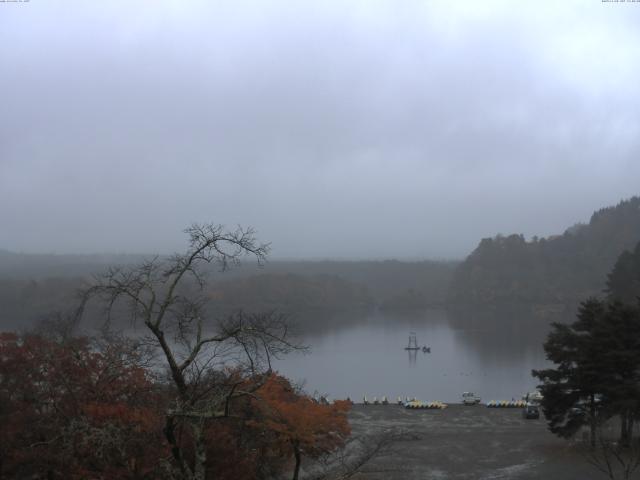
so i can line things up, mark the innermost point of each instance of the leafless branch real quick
(613, 459)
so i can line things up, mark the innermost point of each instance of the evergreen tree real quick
(597, 373)
(572, 392)
(618, 338)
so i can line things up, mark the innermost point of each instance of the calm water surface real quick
(368, 358)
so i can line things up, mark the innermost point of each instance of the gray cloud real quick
(340, 129)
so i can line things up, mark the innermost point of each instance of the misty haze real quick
(320, 240)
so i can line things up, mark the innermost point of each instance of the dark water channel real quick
(490, 354)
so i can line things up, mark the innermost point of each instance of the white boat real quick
(470, 398)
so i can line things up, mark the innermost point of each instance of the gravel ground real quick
(469, 442)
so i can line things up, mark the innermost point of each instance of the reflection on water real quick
(490, 353)
(413, 356)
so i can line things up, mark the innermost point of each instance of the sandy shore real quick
(471, 442)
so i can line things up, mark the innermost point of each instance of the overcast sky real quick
(346, 129)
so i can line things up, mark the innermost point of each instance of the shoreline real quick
(468, 442)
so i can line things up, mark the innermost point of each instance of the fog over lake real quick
(368, 358)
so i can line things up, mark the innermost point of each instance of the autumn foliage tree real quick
(82, 408)
(76, 409)
(299, 425)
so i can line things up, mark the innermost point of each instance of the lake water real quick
(490, 355)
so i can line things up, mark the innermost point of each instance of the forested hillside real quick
(560, 269)
(33, 286)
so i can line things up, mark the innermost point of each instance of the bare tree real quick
(615, 460)
(209, 363)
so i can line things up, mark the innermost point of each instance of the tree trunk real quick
(200, 460)
(298, 456)
(592, 422)
(624, 429)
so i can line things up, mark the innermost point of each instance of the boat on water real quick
(413, 344)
